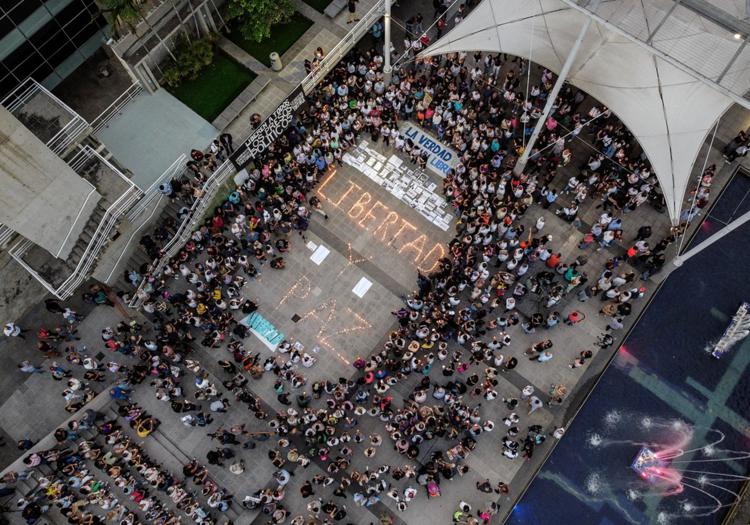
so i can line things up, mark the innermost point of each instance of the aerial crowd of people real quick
(455, 335)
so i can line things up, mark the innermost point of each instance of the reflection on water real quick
(666, 402)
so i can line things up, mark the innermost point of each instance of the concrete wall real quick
(159, 16)
(40, 195)
(19, 290)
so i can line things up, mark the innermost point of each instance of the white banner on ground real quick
(442, 158)
(319, 255)
(404, 181)
(360, 289)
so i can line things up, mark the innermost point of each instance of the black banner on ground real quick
(271, 128)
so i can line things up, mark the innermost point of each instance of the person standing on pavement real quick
(226, 141)
(527, 391)
(71, 316)
(13, 330)
(439, 7)
(53, 306)
(28, 368)
(352, 7)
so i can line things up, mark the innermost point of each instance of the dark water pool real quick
(663, 387)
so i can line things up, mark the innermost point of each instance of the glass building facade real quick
(46, 40)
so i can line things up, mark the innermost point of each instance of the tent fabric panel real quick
(703, 45)
(691, 109)
(737, 78)
(667, 110)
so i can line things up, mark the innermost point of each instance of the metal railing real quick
(86, 153)
(144, 222)
(227, 169)
(19, 96)
(116, 107)
(26, 90)
(101, 236)
(78, 160)
(6, 234)
(152, 192)
(67, 136)
(185, 230)
(75, 221)
(344, 45)
(74, 125)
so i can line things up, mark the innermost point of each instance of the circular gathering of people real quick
(455, 333)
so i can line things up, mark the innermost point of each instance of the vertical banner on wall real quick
(269, 130)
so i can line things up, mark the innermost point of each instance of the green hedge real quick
(215, 88)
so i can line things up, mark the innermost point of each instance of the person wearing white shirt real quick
(13, 330)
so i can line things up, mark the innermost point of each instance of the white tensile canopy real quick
(669, 109)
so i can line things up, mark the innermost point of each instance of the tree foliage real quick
(192, 57)
(122, 14)
(255, 17)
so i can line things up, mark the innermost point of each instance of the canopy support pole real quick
(551, 98)
(726, 230)
(387, 69)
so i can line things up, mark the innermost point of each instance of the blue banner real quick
(441, 158)
(263, 330)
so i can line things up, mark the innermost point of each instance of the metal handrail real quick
(93, 153)
(180, 164)
(27, 93)
(101, 235)
(210, 189)
(185, 230)
(343, 46)
(64, 138)
(68, 133)
(152, 192)
(57, 100)
(85, 153)
(78, 160)
(115, 107)
(220, 175)
(132, 236)
(60, 133)
(6, 234)
(75, 221)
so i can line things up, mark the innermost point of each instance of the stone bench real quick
(335, 7)
(239, 104)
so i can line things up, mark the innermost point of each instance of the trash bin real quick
(276, 64)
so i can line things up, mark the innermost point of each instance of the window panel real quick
(20, 54)
(38, 69)
(84, 34)
(6, 25)
(21, 10)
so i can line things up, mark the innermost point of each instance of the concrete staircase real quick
(55, 271)
(117, 195)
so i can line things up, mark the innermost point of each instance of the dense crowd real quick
(455, 335)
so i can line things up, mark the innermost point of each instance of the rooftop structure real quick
(62, 193)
